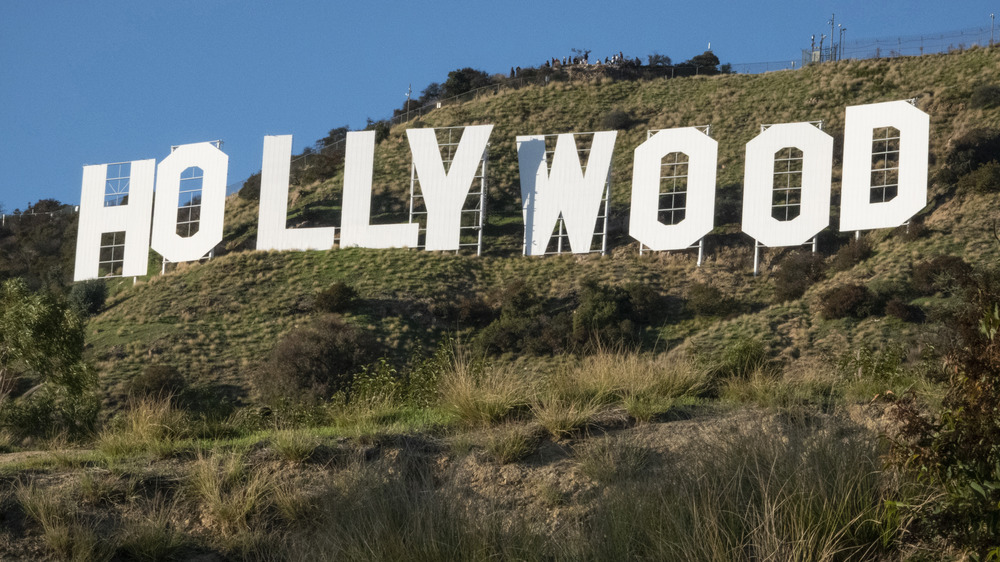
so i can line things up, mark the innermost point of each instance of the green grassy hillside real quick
(218, 320)
(401, 404)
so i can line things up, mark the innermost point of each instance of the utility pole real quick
(409, 90)
(832, 26)
(840, 46)
(991, 30)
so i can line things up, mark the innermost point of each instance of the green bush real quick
(851, 300)
(616, 119)
(705, 300)
(648, 307)
(904, 311)
(852, 253)
(602, 315)
(797, 272)
(157, 381)
(313, 362)
(251, 188)
(958, 447)
(88, 296)
(984, 179)
(338, 297)
(939, 273)
(985, 96)
(41, 344)
(737, 360)
(526, 323)
(973, 149)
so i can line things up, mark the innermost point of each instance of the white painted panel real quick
(214, 164)
(565, 189)
(271, 231)
(758, 183)
(445, 193)
(702, 152)
(857, 212)
(355, 226)
(133, 218)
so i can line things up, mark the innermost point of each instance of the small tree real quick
(41, 341)
(464, 80)
(656, 59)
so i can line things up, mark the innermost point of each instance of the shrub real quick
(616, 119)
(742, 358)
(939, 273)
(984, 179)
(526, 323)
(88, 296)
(958, 447)
(985, 96)
(338, 297)
(914, 230)
(464, 310)
(602, 314)
(973, 149)
(41, 341)
(847, 300)
(796, 273)
(852, 253)
(251, 188)
(904, 311)
(647, 305)
(314, 361)
(157, 380)
(704, 299)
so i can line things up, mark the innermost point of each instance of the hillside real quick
(217, 320)
(360, 404)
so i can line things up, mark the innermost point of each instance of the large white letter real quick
(205, 209)
(565, 190)
(355, 225)
(445, 193)
(699, 208)
(271, 231)
(857, 209)
(759, 183)
(129, 209)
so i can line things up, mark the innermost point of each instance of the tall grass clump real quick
(510, 444)
(645, 384)
(756, 493)
(153, 532)
(64, 532)
(482, 393)
(147, 425)
(232, 497)
(294, 445)
(612, 459)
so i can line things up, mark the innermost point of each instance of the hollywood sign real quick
(550, 191)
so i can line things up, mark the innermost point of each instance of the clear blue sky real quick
(99, 82)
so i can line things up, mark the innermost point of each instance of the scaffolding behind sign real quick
(473, 210)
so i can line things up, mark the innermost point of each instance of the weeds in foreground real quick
(612, 459)
(229, 494)
(482, 393)
(148, 425)
(64, 533)
(562, 417)
(152, 533)
(294, 445)
(510, 444)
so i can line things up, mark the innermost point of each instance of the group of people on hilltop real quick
(618, 60)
